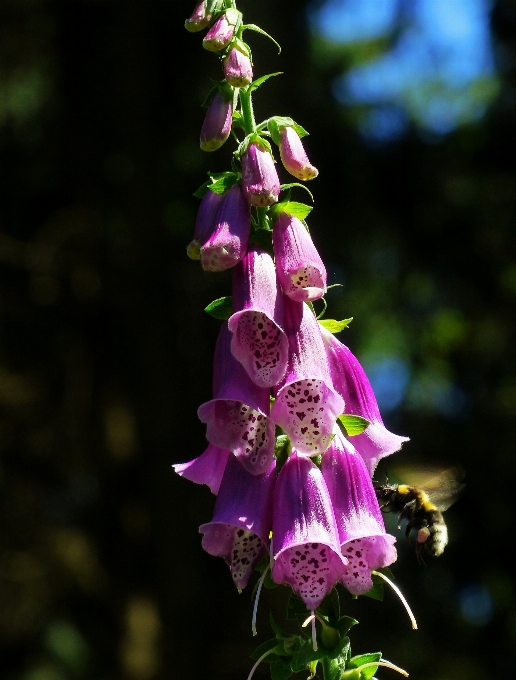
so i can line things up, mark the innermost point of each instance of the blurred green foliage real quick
(105, 352)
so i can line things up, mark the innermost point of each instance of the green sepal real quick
(275, 124)
(259, 81)
(297, 611)
(335, 326)
(213, 6)
(219, 182)
(263, 239)
(376, 592)
(226, 90)
(268, 583)
(352, 425)
(280, 669)
(267, 646)
(238, 120)
(299, 210)
(221, 308)
(253, 27)
(254, 137)
(296, 184)
(305, 655)
(341, 650)
(345, 624)
(357, 661)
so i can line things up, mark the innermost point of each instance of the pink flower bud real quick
(227, 245)
(204, 224)
(259, 177)
(217, 123)
(293, 155)
(238, 70)
(199, 18)
(222, 31)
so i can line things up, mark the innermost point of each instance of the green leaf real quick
(341, 650)
(280, 669)
(259, 81)
(361, 660)
(266, 646)
(352, 425)
(297, 184)
(253, 27)
(376, 592)
(305, 654)
(220, 308)
(276, 123)
(299, 210)
(223, 183)
(335, 326)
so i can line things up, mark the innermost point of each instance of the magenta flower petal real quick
(351, 382)
(258, 342)
(204, 223)
(305, 539)
(223, 29)
(260, 180)
(238, 70)
(237, 418)
(242, 520)
(207, 469)
(293, 155)
(217, 122)
(306, 405)
(301, 272)
(227, 244)
(199, 19)
(362, 535)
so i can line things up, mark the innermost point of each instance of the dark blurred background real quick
(105, 352)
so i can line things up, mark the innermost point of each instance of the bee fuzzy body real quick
(422, 515)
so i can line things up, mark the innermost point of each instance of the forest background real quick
(105, 352)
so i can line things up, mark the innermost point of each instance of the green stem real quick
(247, 111)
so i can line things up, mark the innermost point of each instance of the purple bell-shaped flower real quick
(217, 121)
(293, 155)
(258, 342)
(238, 70)
(301, 272)
(306, 548)
(222, 31)
(351, 382)
(260, 180)
(364, 542)
(242, 520)
(207, 469)
(306, 405)
(199, 19)
(228, 241)
(204, 223)
(237, 418)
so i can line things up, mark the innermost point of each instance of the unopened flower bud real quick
(199, 18)
(238, 70)
(259, 177)
(293, 155)
(217, 123)
(222, 31)
(204, 223)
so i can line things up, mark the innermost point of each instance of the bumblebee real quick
(422, 507)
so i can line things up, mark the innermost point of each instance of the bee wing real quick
(443, 487)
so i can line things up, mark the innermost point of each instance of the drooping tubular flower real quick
(260, 180)
(293, 155)
(238, 70)
(217, 121)
(306, 405)
(362, 535)
(301, 272)
(351, 382)
(258, 341)
(204, 223)
(242, 520)
(228, 241)
(207, 469)
(306, 548)
(237, 418)
(199, 19)
(222, 31)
